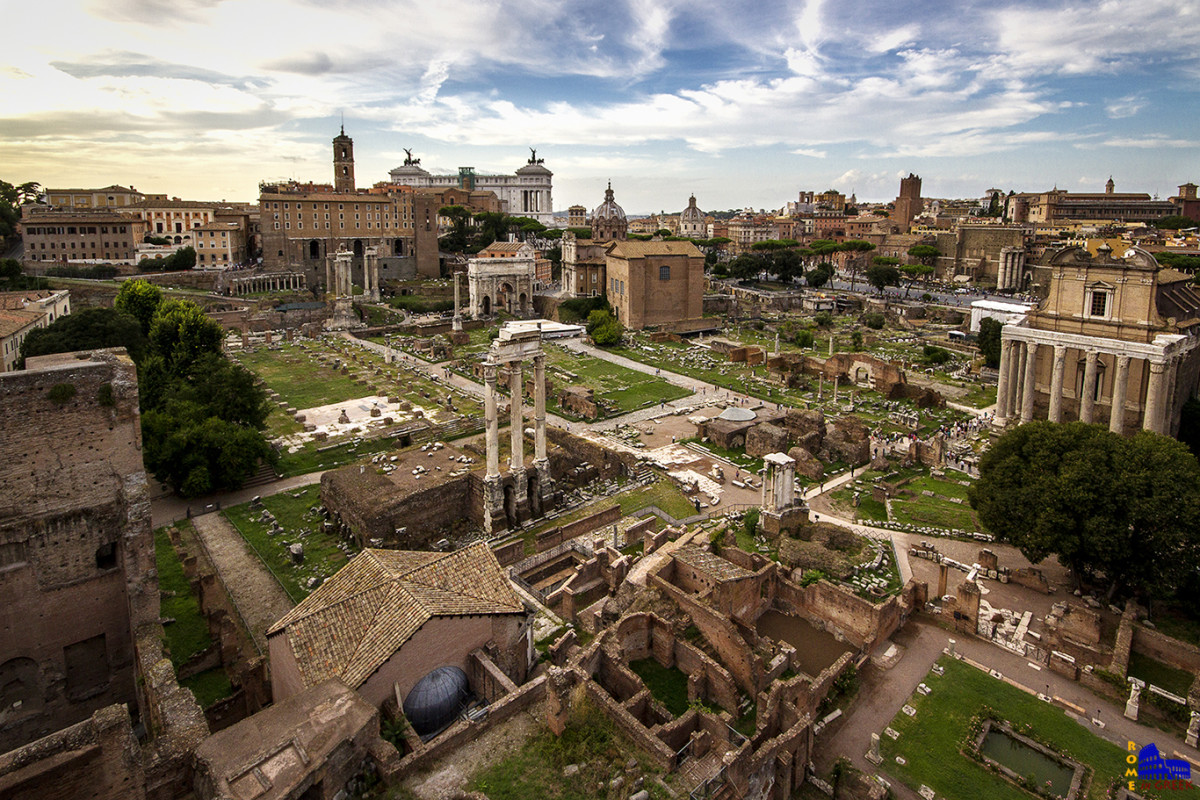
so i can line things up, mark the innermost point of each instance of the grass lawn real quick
(980, 396)
(869, 509)
(311, 457)
(322, 557)
(933, 512)
(739, 457)
(1164, 676)
(624, 389)
(667, 684)
(664, 493)
(590, 741)
(188, 634)
(300, 381)
(209, 686)
(930, 740)
(945, 488)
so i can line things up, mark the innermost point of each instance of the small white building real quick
(994, 309)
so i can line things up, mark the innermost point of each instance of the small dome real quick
(435, 701)
(736, 414)
(691, 213)
(534, 169)
(608, 210)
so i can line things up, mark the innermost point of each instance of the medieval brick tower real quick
(908, 204)
(343, 162)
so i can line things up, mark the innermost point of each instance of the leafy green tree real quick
(1175, 222)
(932, 354)
(604, 328)
(460, 219)
(804, 338)
(1123, 511)
(180, 333)
(883, 275)
(787, 265)
(874, 320)
(856, 341)
(823, 319)
(857, 250)
(914, 272)
(196, 452)
(820, 275)
(925, 253)
(87, 329)
(140, 300)
(182, 259)
(989, 341)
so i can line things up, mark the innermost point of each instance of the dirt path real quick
(258, 596)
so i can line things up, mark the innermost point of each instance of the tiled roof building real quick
(390, 616)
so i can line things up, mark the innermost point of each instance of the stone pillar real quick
(539, 416)
(1056, 382)
(1116, 418)
(943, 579)
(1018, 380)
(1193, 731)
(516, 459)
(457, 305)
(1002, 383)
(1087, 398)
(1152, 419)
(836, 380)
(787, 487)
(874, 756)
(1168, 412)
(1030, 379)
(490, 421)
(1131, 705)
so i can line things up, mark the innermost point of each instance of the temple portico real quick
(1089, 378)
(507, 502)
(267, 282)
(340, 292)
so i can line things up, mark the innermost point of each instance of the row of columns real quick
(279, 282)
(1017, 390)
(1012, 266)
(779, 484)
(516, 459)
(339, 274)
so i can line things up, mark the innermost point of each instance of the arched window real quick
(314, 249)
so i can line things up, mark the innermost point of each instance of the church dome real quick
(608, 210)
(435, 701)
(691, 213)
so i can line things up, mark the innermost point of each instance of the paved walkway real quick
(258, 596)
(171, 508)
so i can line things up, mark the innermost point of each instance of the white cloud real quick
(1127, 106)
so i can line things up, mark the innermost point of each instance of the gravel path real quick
(258, 596)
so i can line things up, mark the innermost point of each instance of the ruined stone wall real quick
(860, 621)
(579, 450)
(75, 541)
(1161, 647)
(717, 630)
(425, 512)
(97, 758)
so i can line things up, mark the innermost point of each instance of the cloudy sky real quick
(741, 103)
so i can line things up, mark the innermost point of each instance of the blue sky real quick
(743, 104)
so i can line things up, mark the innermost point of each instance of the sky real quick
(743, 104)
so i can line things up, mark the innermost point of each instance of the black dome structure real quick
(436, 700)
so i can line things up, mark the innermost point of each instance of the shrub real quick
(104, 395)
(804, 339)
(935, 355)
(874, 320)
(823, 318)
(61, 393)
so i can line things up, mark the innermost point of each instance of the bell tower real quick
(343, 162)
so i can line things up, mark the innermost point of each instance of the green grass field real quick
(931, 740)
(590, 741)
(322, 557)
(934, 512)
(299, 380)
(624, 389)
(1164, 676)
(188, 634)
(664, 493)
(666, 684)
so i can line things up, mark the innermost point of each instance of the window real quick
(1098, 306)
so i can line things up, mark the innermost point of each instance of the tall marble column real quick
(516, 459)
(1152, 419)
(1116, 418)
(539, 414)
(1056, 383)
(457, 325)
(1030, 380)
(1002, 382)
(491, 421)
(1087, 396)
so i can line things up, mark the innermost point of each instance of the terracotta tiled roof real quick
(504, 247)
(710, 564)
(357, 619)
(634, 248)
(13, 320)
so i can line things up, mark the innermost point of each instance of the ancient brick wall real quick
(75, 541)
(97, 758)
(1160, 647)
